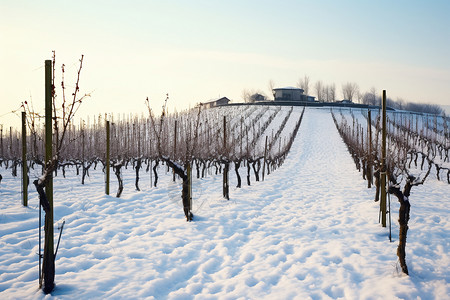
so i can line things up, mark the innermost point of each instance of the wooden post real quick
(151, 171)
(24, 161)
(225, 186)
(369, 141)
(189, 178)
(108, 158)
(49, 258)
(265, 155)
(383, 163)
(83, 146)
(175, 146)
(224, 133)
(1, 142)
(242, 121)
(10, 143)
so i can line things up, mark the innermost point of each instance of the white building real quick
(291, 94)
(216, 102)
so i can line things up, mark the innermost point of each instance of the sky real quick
(200, 50)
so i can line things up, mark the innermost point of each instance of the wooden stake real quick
(189, 176)
(1, 141)
(264, 164)
(225, 186)
(108, 158)
(49, 258)
(383, 163)
(24, 161)
(10, 143)
(175, 146)
(369, 141)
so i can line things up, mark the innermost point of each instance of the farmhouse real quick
(257, 97)
(291, 94)
(216, 102)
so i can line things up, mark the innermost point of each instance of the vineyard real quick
(273, 193)
(396, 157)
(254, 140)
(414, 142)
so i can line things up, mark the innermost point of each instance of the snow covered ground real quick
(309, 231)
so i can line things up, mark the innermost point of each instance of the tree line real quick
(349, 91)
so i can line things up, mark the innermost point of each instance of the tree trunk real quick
(186, 199)
(377, 185)
(197, 166)
(154, 171)
(403, 218)
(84, 171)
(138, 167)
(237, 164)
(369, 174)
(203, 169)
(226, 185)
(119, 179)
(248, 173)
(256, 166)
(185, 195)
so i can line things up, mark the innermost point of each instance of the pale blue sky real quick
(198, 50)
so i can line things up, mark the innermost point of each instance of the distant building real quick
(216, 102)
(291, 94)
(310, 98)
(257, 98)
(345, 101)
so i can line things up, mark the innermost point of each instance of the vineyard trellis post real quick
(108, 160)
(1, 141)
(226, 192)
(83, 146)
(10, 141)
(383, 163)
(265, 157)
(369, 141)
(175, 146)
(24, 161)
(189, 175)
(48, 265)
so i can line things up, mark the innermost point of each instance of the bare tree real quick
(369, 97)
(319, 90)
(271, 86)
(246, 94)
(350, 90)
(359, 96)
(332, 92)
(303, 83)
(373, 92)
(401, 103)
(325, 93)
(329, 92)
(366, 98)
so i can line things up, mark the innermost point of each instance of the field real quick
(310, 230)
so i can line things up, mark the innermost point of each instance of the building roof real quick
(216, 99)
(289, 88)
